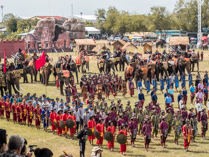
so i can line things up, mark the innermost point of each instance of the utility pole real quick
(72, 9)
(81, 15)
(2, 14)
(199, 34)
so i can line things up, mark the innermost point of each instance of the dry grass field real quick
(59, 144)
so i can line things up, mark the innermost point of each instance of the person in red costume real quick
(64, 118)
(123, 146)
(91, 125)
(14, 111)
(111, 128)
(187, 133)
(100, 129)
(72, 130)
(24, 112)
(37, 112)
(58, 118)
(8, 106)
(52, 117)
(30, 110)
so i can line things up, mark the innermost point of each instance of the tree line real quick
(183, 17)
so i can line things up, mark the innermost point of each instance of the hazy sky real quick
(88, 7)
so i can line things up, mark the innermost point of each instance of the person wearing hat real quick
(96, 152)
(146, 110)
(14, 110)
(91, 125)
(64, 118)
(154, 98)
(107, 119)
(176, 124)
(205, 92)
(30, 112)
(128, 105)
(37, 113)
(155, 120)
(72, 130)
(74, 92)
(52, 118)
(184, 92)
(78, 118)
(169, 118)
(114, 88)
(131, 87)
(2, 108)
(120, 121)
(57, 120)
(140, 118)
(183, 80)
(24, 110)
(97, 106)
(100, 129)
(8, 106)
(136, 108)
(124, 87)
(107, 88)
(187, 133)
(97, 116)
(84, 91)
(19, 111)
(6, 95)
(123, 146)
(12, 98)
(146, 130)
(99, 90)
(193, 122)
(86, 117)
(45, 116)
(163, 131)
(204, 123)
(111, 128)
(132, 130)
(189, 116)
(184, 114)
(114, 115)
(102, 113)
(141, 98)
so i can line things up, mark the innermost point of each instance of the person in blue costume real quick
(139, 85)
(45, 116)
(176, 80)
(167, 82)
(161, 83)
(147, 84)
(154, 83)
(183, 81)
(190, 79)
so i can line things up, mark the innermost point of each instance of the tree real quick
(101, 15)
(8, 17)
(11, 25)
(136, 23)
(111, 17)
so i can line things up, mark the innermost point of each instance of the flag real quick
(4, 69)
(41, 61)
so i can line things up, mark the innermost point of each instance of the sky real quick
(29, 8)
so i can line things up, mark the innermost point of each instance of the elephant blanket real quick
(66, 73)
(175, 61)
(101, 63)
(187, 59)
(78, 60)
(165, 65)
(144, 69)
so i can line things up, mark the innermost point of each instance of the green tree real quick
(111, 17)
(88, 24)
(11, 25)
(8, 17)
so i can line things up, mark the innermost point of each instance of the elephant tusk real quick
(22, 88)
(16, 88)
(65, 85)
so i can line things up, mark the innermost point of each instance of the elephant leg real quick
(116, 66)
(9, 88)
(78, 68)
(2, 92)
(157, 75)
(198, 66)
(76, 72)
(61, 87)
(192, 66)
(31, 77)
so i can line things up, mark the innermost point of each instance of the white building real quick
(91, 31)
(90, 18)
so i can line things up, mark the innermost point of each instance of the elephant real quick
(204, 47)
(27, 69)
(182, 64)
(84, 62)
(160, 68)
(3, 86)
(122, 62)
(13, 80)
(65, 80)
(108, 65)
(45, 72)
(171, 67)
(161, 43)
(194, 60)
(100, 65)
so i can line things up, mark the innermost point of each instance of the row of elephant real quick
(163, 68)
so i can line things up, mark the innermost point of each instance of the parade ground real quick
(59, 144)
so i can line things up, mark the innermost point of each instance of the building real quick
(166, 34)
(91, 31)
(54, 35)
(90, 18)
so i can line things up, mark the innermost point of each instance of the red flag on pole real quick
(4, 69)
(41, 61)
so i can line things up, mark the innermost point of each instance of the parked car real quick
(110, 38)
(126, 39)
(117, 38)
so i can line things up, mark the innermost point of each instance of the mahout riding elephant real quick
(27, 69)
(65, 77)
(45, 72)
(194, 60)
(161, 43)
(160, 68)
(183, 64)
(83, 62)
(171, 67)
(13, 80)
(108, 65)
